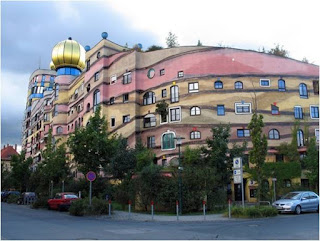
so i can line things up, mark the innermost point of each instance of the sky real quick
(29, 31)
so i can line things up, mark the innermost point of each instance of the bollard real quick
(177, 210)
(79, 194)
(229, 208)
(109, 208)
(204, 209)
(152, 209)
(129, 209)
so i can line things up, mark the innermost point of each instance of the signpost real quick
(238, 175)
(91, 176)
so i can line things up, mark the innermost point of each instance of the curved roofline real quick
(42, 71)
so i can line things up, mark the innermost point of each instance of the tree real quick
(171, 40)
(143, 155)
(259, 150)
(162, 109)
(20, 172)
(5, 178)
(154, 48)
(279, 51)
(199, 43)
(312, 164)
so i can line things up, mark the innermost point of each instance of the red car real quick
(62, 201)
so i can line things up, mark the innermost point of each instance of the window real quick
(218, 84)
(98, 55)
(163, 119)
(151, 73)
(45, 117)
(88, 87)
(79, 108)
(151, 142)
(243, 133)
(126, 78)
(55, 110)
(57, 91)
(220, 110)
(149, 98)
(303, 91)
(174, 94)
(88, 107)
(253, 193)
(195, 135)
(175, 114)
(162, 72)
(279, 157)
(113, 122)
(149, 121)
(164, 93)
(125, 98)
(96, 76)
(264, 82)
(314, 112)
(167, 141)
(243, 108)
(298, 113)
(300, 138)
(88, 64)
(315, 87)
(281, 85)
(274, 134)
(96, 100)
(125, 118)
(286, 183)
(113, 79)
(59, 130)
(195, 110)
(111, 100)
(316, 132)
(274, 110)
(238, 85)
(193, 87)
(180, 74)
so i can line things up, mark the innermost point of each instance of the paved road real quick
(21, 222)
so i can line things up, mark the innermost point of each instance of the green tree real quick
(171, 40)
(144, 156)
(5, 178)
(199, 43)
(20, 172)
(154, 48)
(312, 164)
(279, 51)
(162, 109)
(258, 153)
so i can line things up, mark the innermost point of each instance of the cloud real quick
(67, 12)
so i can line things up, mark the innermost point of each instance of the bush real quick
(268, 211)
(253, 212)
(12, 199)
(77, 207)
(81, 207)
(40, 203)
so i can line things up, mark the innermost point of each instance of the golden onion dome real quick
(68, 53)
(52, 67)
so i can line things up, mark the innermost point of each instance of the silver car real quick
(298, 202)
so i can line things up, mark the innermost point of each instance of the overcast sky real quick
(29, 31)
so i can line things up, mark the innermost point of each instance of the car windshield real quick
(70, 196)
(292, 195)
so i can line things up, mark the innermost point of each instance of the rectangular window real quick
(151, 142)
(149, 121)
(243, 132)
(264, 82)
(111, 100)
(126, 78)
(314, 112)
(113, 122)
(125, 118)
(125, 98)
(162, 72)
(163, 119)
(316, 87)
(220, 110)
(253, 193)
(193, 87)
(96, 76)
(88, 65)
(175, 114)
(174, 94)
(316, 132)
(274, 110)
(180, 74)
(298, 113)
(164, 93)
(243, 108)
(113, 79)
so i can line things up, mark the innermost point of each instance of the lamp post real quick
(51, 189)
(179, 142)
(62, 185)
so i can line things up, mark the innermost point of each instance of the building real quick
(204, 86)
(6, 154)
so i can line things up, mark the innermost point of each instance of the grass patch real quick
(252, 212)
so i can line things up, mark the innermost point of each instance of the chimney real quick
(15, 147)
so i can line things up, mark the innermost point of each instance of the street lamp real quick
(180, 168)
(62, 185)
(51, 189)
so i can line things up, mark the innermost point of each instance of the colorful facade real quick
(204, 86)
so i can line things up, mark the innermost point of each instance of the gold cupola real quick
(68, 53)
(52, 67)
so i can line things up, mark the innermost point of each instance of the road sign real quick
(237, 179)
(237, 172)
(237, 162)
(274, 179)
(91, 176)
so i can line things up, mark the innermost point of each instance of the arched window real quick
(88, 87)
(59, 130)
(195, 110)
(195, 135)
(149, 98)
(88, 107)
(218, 84)
(96, 99)
(300, 138)
(238, 85)
(303, 91)
(174, 94)
(57, 91)
(274, 134)
(167, 141)
(111, 100)
(98, 55)
(281, 85)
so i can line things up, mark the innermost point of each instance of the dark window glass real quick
(164, 93)
(149, 98)
(125, 98)
(274, 110)
(281, 85)
(113, 122)
(218, 85)
(88, 87)
(88, 64)
(111, 100)
(316, 87)
(243, 133)
(300, 138)
(96, 99)
(98, 55)
(220, 110)
(126, 78)
(96, 76)
(265, 82)
(168, 141)
(162, 72)
(314, 111)
(180, 74)
(151, 142)
(279, 157)
(298, 113)
(243, 108)
(174, 94)
(238, 85)
(303, 91)
(126, 118)
(149, 121)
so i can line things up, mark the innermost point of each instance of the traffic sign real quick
(237, 172)
(237, 179)
(237, 162)
(91, 176)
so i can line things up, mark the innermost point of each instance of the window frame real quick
(263, 80)
(95, 105)
(112, 100)
(272, 134)
(170, 116)
(300, 137)
(281, 89)
(164, 93)
(96, 76)
(162, 72)
(125, 98)
(218, 87)
(242, 104)
(303, 91)
(147, 98)
(235, 85)
(197, 111)
(311, 107)
(193, 89)
(245, 133)
(180, 74)
(174, 142)
(111, 119)
(273, 109)
(316, 135)
(126, 78)
(113, 79)
(174, 94)
(193, 135)
(126, 119)
(152, 121)
(300, 112)
(59, 130)
(151, 142)
(224, 111)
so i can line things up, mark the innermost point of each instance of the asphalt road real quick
(21, 222)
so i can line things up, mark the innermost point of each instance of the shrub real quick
(40, 203)
(268, 211)
(13, 199)
(253, 212)
(98, 207)
(77, 207)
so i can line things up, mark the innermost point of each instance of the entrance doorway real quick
(237, 191)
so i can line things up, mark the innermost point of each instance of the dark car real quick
(7, 194)
(27, 198)
(62, 201)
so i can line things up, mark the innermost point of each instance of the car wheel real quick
(298, 210)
